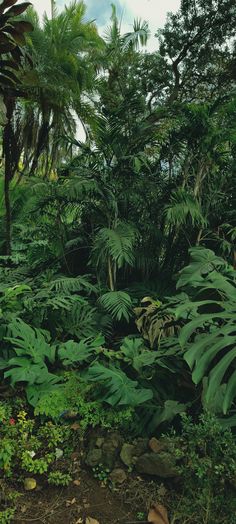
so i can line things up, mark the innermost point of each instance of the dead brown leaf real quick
(90, 520)
(75, 455)
(158, 514)
(77, 482)
(70, 502)
(75, 426)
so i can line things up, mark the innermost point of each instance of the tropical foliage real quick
(118, 225)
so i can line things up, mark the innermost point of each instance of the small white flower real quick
(59, 453)
(31, 453)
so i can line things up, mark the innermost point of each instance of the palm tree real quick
(12, 38)
(63, 72)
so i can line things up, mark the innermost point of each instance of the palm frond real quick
(118, 304)
(117, 243)
(183, 207)
(139, 35)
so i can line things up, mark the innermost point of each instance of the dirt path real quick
(73, 504)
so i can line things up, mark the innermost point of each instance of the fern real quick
(79, 188)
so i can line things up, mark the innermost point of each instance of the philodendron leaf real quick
(71, 352)
(120, 390)
(25, 371)
(208, 335)
(135, 353)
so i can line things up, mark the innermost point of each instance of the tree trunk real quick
(111, 275)
(8, 215)
(10, 153)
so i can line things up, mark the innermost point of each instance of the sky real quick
(154, 11)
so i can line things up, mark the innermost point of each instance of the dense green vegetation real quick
(117, 252)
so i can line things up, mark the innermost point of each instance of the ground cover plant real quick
(117, 265)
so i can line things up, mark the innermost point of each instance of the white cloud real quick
(154, 11)
(41, 6)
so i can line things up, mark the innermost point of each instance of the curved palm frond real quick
(183, 207)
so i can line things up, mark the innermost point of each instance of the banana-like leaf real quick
(7, 3)
(17, 10)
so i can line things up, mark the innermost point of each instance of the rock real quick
(127, 454)
(141, 446)
(114, 439)
(94, 457)
(103, 450)
(110, 450)
(75, 427)
(118, 476)
(99, 442)
(156, 445)
(162, 465)
(30, 484)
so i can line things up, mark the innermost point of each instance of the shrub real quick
(207, 464)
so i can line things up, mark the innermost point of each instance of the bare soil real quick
(50, 505)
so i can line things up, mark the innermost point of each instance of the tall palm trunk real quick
(11, 156)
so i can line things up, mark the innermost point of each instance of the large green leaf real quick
(203, 261)
(202, 321)
(25, 371)
(120, 390)
(3, 112)
(37, 391)
(199, 347)
(30, 342)
(208, 337)
(136, 354)
(230, 392)
(217, 374)
(71, 353)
